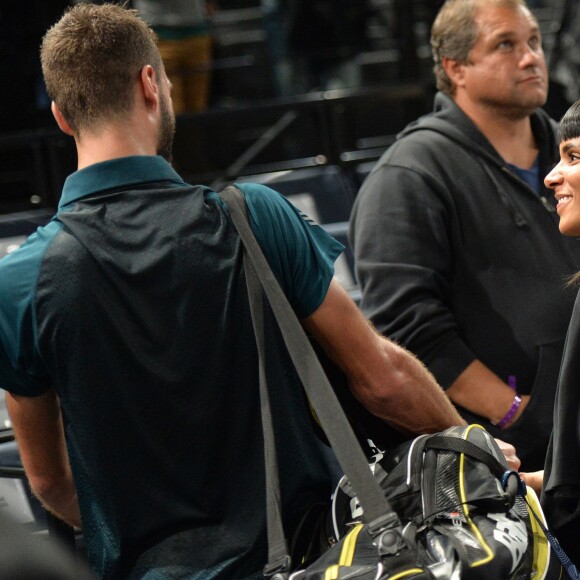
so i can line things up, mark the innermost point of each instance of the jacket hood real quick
(449, 120)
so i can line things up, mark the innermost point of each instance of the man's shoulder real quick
(255, 195)
(420, 145)
(262, 197)
(268, 207)
(426, 137)
(24, 262)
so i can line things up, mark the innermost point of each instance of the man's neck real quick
(113, 142)
(511, 137)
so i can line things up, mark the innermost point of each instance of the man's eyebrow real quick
(503, 34)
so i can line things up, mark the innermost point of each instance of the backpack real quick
(463, 512)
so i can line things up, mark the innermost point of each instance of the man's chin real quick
(535, 99)
(522, 108)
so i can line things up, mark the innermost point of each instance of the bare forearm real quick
(61, 500)
(414, 402)
(389, 381)
(481, 391)
(39, 432)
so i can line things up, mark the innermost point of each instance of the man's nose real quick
(531, 56)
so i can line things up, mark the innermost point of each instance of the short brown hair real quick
(90, 60)
(454, 33)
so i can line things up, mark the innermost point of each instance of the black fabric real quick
(567, 536)
(561, 491)
(458, 259)
(561, 506)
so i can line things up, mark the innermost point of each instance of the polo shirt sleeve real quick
(22, 371)
(299, 251)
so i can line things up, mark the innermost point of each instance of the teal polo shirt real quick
(298, 250)
(132, 304)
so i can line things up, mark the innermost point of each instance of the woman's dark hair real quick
(570, 123)
(569, 128)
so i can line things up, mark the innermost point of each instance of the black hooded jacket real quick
(459, 259)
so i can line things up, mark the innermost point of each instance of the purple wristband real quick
(511, 412)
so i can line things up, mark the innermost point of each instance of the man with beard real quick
(126, 341)
(456, 238)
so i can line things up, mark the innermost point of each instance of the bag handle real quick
(378, 513)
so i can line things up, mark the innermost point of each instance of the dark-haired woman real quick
(561, 484)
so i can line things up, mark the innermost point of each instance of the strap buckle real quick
(384, 522)
(387, 534)
(278, 569)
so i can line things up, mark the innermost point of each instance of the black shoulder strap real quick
(377, 512)
(278, 556)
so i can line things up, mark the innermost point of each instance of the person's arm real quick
(389, 381)
(404, 238)
(38, 427)
(481, 391)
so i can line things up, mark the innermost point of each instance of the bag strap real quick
(278, 556)
(378, 514)
(446, 443)
(509, 479)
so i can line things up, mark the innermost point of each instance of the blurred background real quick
(290, 84)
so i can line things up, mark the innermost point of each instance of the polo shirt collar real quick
(116, 174)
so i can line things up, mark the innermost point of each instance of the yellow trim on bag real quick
(541, 561)
(346, 553)
(463, 498)
(407, 573)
